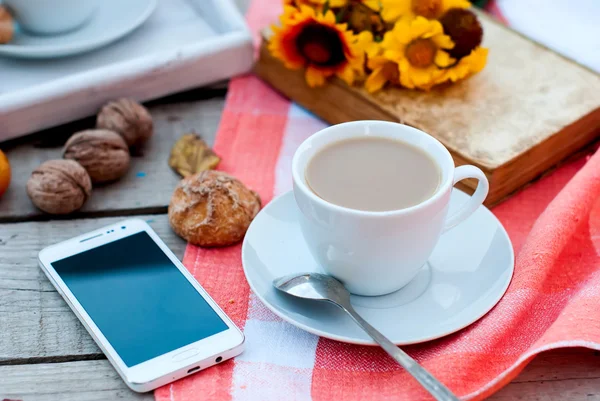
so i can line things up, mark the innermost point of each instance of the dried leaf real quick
(191, 155)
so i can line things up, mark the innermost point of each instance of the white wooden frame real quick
(155, 75)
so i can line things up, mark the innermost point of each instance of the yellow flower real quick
(392, 10)
(383, 70)
(417, 47)
(366, 42)
(314, 41)
(468, 65)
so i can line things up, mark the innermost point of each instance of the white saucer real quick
(112, 20)
(466, 276)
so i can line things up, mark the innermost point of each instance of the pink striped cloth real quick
(551, 303)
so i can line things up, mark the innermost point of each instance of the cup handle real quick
(460, 173)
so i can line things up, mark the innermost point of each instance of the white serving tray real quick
(184, 44)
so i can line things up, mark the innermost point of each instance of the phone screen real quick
(138, 298)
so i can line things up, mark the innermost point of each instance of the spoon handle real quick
(430, 383)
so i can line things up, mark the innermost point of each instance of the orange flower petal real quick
(375, 81)
(347, 75)
(314, 77)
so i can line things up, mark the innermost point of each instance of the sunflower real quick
(417, 47)
(468, 65)
(392, 10)
(314, 41)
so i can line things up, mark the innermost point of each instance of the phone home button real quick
(185, 354)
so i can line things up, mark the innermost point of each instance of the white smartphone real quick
(148, 314)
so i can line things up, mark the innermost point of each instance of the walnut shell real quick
(103, 153)
(59, 186)
(212, 208)
(127, 118)
(7, 26)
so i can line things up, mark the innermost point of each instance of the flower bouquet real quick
(415, 44)
(402, 60)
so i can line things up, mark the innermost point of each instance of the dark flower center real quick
(464, 29)
(360, 18)
(427, 8)
(421, 52)
(321, 45)
(391, 72)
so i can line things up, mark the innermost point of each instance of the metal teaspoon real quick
(320, 287)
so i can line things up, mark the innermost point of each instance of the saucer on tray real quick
(467, 274)
(112, 20)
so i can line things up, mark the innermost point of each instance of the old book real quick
(525, 112)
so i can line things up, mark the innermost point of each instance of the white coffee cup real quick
(375, 253)
(49, 17)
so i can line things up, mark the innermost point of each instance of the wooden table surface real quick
(46, 354)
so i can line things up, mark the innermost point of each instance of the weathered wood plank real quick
(148, 185)
(71, 381)
(96, 380)
(556, 390)
(36, 324)
(562, 364)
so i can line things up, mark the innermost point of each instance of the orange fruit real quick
(4, 173)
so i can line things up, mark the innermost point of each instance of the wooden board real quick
(72, 381)
(149, 183)
(526, 111)
(36, 324)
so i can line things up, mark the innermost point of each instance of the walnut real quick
(59, 186)
(212, 208)
(127, 118)
(103, 153)
(7, 26)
